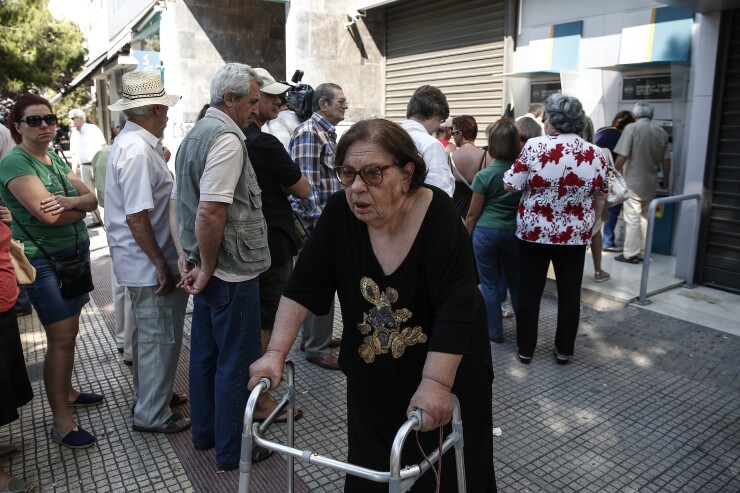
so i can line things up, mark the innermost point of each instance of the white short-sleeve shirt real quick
(137, 179)
(433, 153)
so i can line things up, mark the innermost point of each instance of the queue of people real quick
(419, 288)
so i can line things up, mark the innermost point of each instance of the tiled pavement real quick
(650, 403)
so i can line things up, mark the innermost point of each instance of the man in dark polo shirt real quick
(278, 176)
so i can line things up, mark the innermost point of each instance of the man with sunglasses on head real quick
(426, 111)
(312, 148)
(278, 177)
(85, 142)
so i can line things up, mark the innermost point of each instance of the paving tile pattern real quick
(200, 466)
(122, 460)
(648, 404)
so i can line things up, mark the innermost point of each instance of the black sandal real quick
(631, 260)
(260, 453)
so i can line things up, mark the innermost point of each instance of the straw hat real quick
(269, 85)
(142, 89)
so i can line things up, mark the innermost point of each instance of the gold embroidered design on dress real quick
(382, 325)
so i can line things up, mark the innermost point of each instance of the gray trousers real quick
(317, 332)
(156, 342)
(87, 178)
(123, 313)
(317, 329)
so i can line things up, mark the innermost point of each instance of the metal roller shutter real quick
(720, 253)
(456, 46)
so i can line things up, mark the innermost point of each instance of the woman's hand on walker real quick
(269, 366)
(435, 400)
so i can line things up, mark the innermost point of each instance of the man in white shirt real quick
(85, 145)
(426, 111)
(137, 191)
(284, 124)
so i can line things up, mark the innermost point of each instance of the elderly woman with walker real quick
(414, 322)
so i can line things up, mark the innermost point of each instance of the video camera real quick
(300, 97)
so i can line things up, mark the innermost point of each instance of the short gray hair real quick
(324, 91)
(643, 110)
(235, 78)
(139, 111)
(77, 113)
(565, 113)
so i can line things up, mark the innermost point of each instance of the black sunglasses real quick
(35, 121)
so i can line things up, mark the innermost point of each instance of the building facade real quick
(490, 57)
(495, 57)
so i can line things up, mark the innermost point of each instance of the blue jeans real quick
(610, 224)
(225, 340)
(497, 258)
(23, 303)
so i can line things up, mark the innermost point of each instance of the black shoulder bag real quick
(73, 272)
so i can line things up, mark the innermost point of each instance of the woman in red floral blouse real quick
(564, 181)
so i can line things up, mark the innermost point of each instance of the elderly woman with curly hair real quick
(564, 181)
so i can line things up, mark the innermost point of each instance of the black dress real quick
(430, 303)
(463, 193)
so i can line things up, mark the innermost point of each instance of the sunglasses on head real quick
(35, 121)
(456, 132)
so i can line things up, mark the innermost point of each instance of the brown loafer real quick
(335, 343)
(178, 399)
(174, 424)
(329, 361)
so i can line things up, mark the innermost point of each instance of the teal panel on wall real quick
(566, 43)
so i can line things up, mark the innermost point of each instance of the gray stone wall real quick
(199, 36)
(318, 43)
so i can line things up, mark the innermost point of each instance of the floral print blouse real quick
(559, 175)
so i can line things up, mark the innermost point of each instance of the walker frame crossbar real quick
(399, 479)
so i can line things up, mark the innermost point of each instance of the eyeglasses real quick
(35, 121)
(372, 175)
(456, 132)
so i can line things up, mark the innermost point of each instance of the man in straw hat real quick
(224, 249)
(137, 191)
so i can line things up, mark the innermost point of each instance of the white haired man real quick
(641, 150)
(85, 142)
(137, 191)
(223, 237)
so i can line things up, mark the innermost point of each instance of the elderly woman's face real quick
(377, 202)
